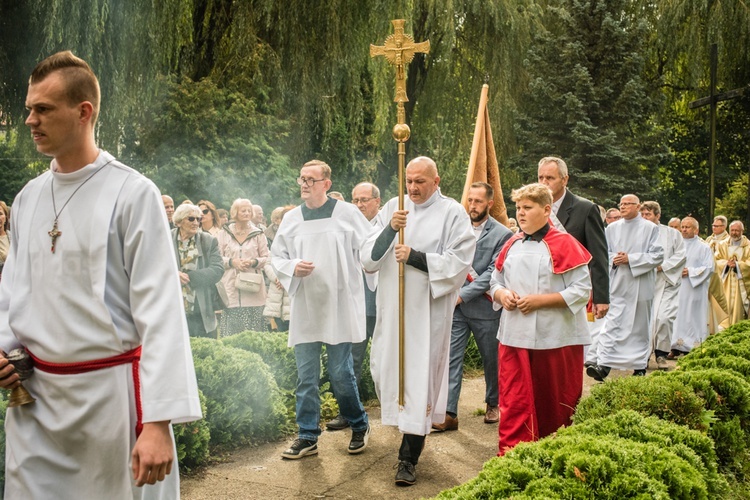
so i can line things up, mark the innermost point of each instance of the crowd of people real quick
(103, 285)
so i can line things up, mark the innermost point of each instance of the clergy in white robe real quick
(315, 256)
(733, 265)
(634, 254)
(110, 286)
(438, 250)
(91, 276)
(691, 326)
(668, 276)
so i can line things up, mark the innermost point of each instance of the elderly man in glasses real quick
(316, 258)
(635, 252)
(366, 197)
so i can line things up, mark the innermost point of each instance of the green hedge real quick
(192, 440)
(680, 434)
(243, 402)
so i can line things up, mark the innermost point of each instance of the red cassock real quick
(540, 388)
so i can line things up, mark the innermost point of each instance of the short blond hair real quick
(324, 168)
(536, 192)
(235, 206)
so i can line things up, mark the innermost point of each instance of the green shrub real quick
(586, 466)
(192, 440)
(725, 361)
(273, 349)
(472, 358)
(693, 446)
(727, 395)
(739, 332)
(662, 397)
(243, 402)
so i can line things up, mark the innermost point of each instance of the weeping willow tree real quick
(681, 36)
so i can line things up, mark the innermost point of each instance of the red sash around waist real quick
(132, 357)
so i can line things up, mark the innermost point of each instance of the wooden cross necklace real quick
(56, 233)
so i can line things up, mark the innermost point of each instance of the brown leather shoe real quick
(450, 424)
(492, 415)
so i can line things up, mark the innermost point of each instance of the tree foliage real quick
(603, 83)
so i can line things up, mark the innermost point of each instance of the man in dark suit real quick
(474, 312)
(582, 220)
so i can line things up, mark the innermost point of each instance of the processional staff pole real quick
(399, 50)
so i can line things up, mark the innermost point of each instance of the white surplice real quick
(328, 305)
(667, 288)
(110, 285)
(625, 340)
(441, 229)
(691, 325)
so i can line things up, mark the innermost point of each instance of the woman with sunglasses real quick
(211, 220)
(200, 267)
(244, 249)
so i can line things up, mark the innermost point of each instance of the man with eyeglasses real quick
(366, 197)
(316, 258)
(718, 232)
(718, 310)
(437, 253)
(634, 254)
(612, 215)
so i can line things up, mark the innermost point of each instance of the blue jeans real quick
(341, 373)
(485, 334)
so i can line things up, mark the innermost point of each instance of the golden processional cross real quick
(399, 49)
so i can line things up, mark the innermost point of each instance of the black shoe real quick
(301, 448)
(588, 363)
(597, 372)
(406, 474)
(639, 373)
(337, 424)
(359, 441)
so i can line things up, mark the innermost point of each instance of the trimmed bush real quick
(724, 361)
(693, 446)
(243, 402)
(663, 397)
(584, 466)
(727, 395)
(192, 440)
(272, 348)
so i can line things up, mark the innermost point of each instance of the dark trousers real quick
(359, 349)
(411, 447)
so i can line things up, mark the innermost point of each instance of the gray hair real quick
(184, 211)
(742, 226)
(562, 167)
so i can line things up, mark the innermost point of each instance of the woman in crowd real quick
(211, 221)
(4, 234)
(244, 250)
(200, 269)
(223, 217)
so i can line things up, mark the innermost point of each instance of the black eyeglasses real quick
(205, 211)
(193, 219)
(307, 181)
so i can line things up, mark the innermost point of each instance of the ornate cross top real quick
(399, 49)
